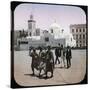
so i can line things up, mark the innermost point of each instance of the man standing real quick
(42, 60)
(35, 57)
(41, 53)
(68, 56)
(58, 54)
(49, 62)
(63, 55)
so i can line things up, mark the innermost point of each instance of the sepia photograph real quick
(48, 44)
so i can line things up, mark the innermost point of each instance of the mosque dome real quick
(54, 26)
(55, 30)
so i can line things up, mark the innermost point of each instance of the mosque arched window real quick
(62, 30)
(46, 39)
(51, 30)
(30, 25)
(30, 34)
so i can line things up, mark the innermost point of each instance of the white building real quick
(60, 34)
(53, 36)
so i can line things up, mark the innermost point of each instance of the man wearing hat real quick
(49, 61)
(68, 56)
(34, 63)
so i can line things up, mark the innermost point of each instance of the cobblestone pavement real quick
(75, 74)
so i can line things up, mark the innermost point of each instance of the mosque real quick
(37, 37)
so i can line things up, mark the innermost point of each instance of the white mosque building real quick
(37, 37)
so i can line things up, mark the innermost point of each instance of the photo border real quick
(14, 4)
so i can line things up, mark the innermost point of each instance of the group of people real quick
(63, 55)
(44, 60)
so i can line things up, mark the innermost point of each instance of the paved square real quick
(75, 74)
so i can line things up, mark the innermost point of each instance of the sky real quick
(45, 15)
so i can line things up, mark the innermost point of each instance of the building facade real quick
(19, 34)
(16, 36)
(32, 30)
(79, 34)
(53, 36)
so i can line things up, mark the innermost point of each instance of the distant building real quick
(19, 34)
(79, 34)
(53, 36)
(16, 36)
(31, 26)
(37, 31)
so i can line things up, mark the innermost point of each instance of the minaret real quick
(31, 26)
(62, 31)
(31, 17)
